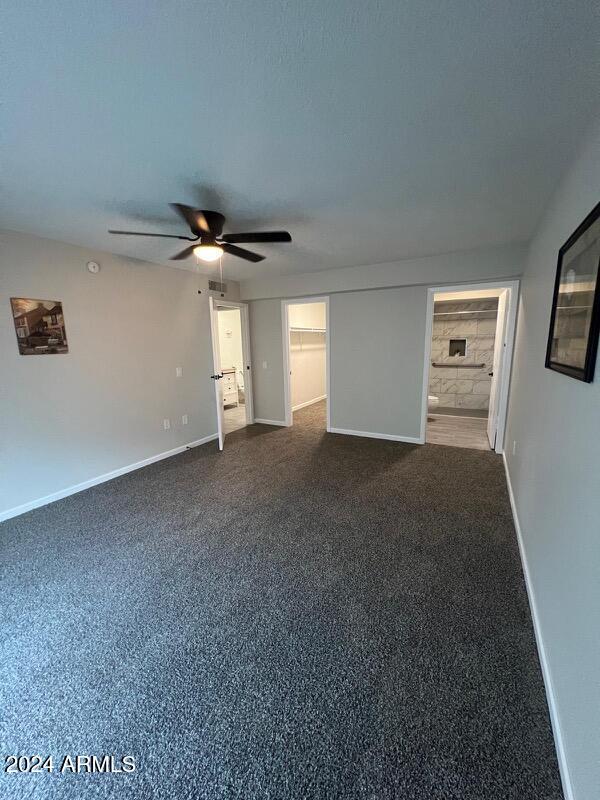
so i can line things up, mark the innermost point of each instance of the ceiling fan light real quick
(208, 252)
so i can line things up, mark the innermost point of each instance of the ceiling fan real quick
(207, 229)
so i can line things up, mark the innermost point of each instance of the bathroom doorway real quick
(232, 366)
(470, 334)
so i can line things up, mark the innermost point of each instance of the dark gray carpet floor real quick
(302, 616)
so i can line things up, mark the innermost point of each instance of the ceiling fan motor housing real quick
(215, 223)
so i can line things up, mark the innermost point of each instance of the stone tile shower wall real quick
(455, 385)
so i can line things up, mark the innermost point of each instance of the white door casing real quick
(246, 353)
(497, 367)
(510, 296)
(214, 327)
(285, 326)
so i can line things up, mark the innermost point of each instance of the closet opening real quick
(306, 356)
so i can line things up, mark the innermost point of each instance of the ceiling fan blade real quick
(183, 254)
(195, 219)
(261, 236)
(241, 253)
(160, 235)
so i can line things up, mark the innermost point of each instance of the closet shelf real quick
(460, 316)
(306, 330)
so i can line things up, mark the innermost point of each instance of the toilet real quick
(432, 402)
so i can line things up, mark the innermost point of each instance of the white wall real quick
(377, 349)
(307, 315)
(397, 312)
(449, 268)
(266, 341)
(230, 342)
(308, 354)
(555, 477)
(377, 342)
(70, 418)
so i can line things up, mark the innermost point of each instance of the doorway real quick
(470, 336)
(232, 366)
(306, 359)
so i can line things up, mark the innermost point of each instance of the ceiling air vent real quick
(216, 286)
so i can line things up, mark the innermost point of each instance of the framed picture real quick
(575, 318)
(40, 326)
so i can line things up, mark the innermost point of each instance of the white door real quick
(246, 353)
(214, 326)
(498, 361)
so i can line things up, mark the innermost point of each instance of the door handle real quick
(490, 374)
(216, 377)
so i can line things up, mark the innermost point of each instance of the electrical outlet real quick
(184, 419)
(514, 447)
(166, 424)
(178, 372)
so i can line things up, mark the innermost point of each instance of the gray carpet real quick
(302, 616)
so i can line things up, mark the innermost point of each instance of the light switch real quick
(264, 364)
(166, 424)
(178, 372)
(184, 419)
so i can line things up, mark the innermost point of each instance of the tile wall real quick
(457, 385)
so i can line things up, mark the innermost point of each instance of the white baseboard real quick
(309, 402)
(370, 435)
(546, 674)
(115, 473)
(270, 422)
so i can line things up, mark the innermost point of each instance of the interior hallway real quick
(305, 615)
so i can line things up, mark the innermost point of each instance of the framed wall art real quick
(40, 326)
(575, 317)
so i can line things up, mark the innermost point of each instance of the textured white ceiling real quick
(373, 131)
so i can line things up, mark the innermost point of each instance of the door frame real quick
(246, 351)
(497, 367)
(511, 319)
(214, 338)
(285, 328)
